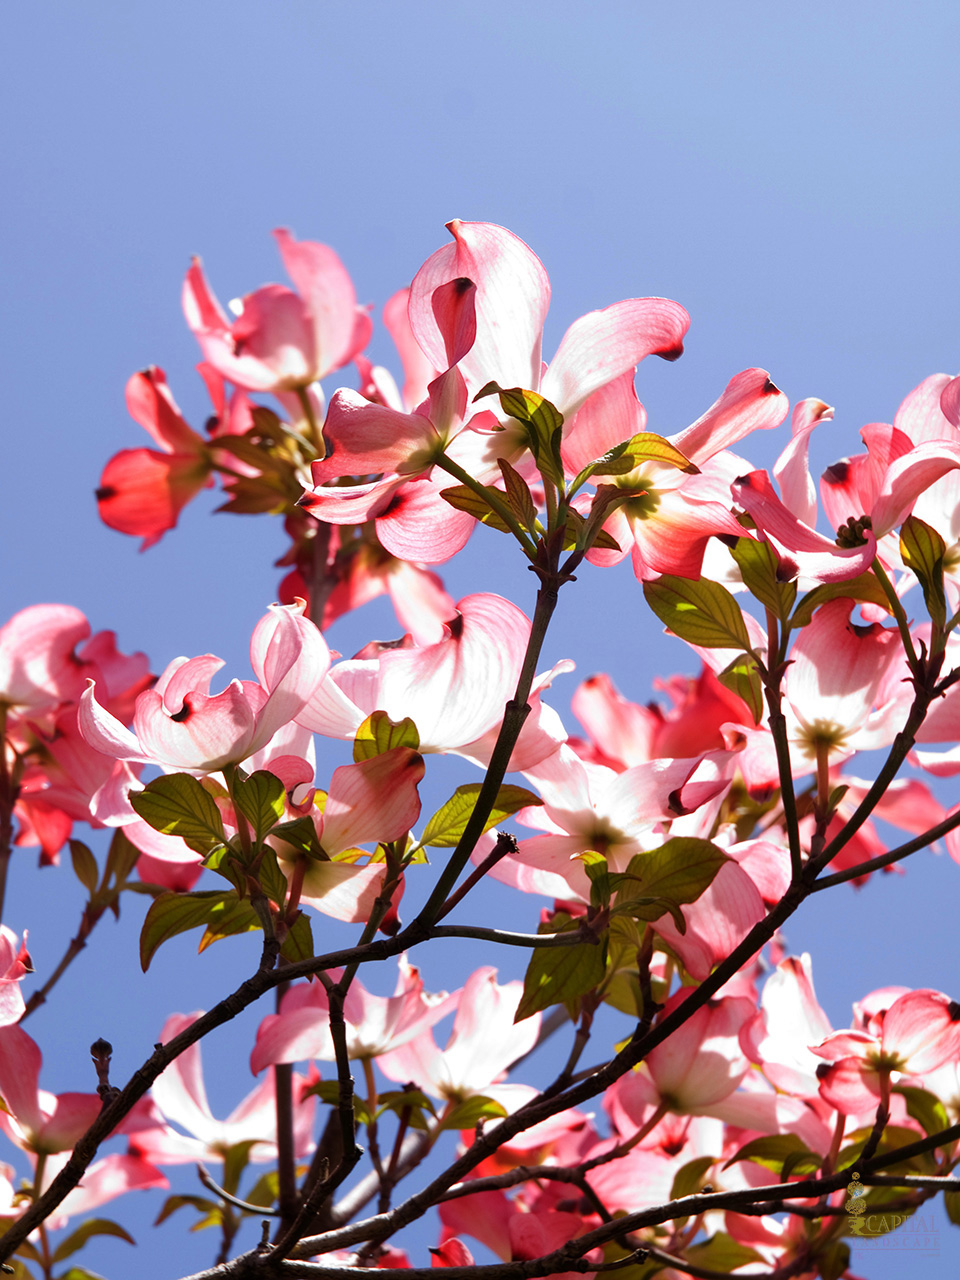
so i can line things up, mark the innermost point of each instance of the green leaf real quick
(271, 879)
(174, 913)
(923, 550)
(703, 613)
(449, 822)
(926, 1108)
(92, 1227)
(544, 423)
(773, 1151)
(833, 1260)
(84, 866)
(227, 919)
(173, 1203)
(400, 1100)
(301, 836)
(645, 446)
(721, 1253)
(598, 872)
(951, 1202)
(265, 1191)
(260, 798)
(329, 1091)
(468, 1113)
(235, 1160)
(742, 677)
(759, 566)
(379, 734)
(298, 944)
(177, 805)
(863, 588)
(465, 499)
(688, 1179)
(894, 1136)
(678, 872)
(121, 859)
(556, 975)
(518, 495)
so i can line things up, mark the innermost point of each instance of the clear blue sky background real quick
(788, 173)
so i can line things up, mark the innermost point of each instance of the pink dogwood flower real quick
(180, 725)
(484, 1041)
(669, 515)
(15, 964)
(143, 491)
(918, 1032)
(181, 1096)
(282, 339)
(375, 1025)
(455, 690)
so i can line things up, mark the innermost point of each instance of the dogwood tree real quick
(662, 847)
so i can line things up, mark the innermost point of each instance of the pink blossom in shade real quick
(35, 1120)
(143, 491)
(103, 1181)
(667, 516)
(512, 297)
(282, 339)
(452, 1253)
(917, 1033)
(181, 1096)
(455, 690)
(590, 807)
(831, 686)
(179, 725)
(907, 804)
(623, 733)
(15, 964)
(375, 1024)
(942, 722)
(484, 1041)
(512, 1229)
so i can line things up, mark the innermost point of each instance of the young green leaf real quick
(465, 499)
(86, 1231)
(759, 567)
(177, 805)
(468, 1113)
(84, 866)
(379, 734)
(678, 872)
(645, 446)
(260, 799)
(174, 913)
(449, 822)
(742, 677)
(923, 550)
(863, 588)
(518, 495)
(703, 613)
(556, 975)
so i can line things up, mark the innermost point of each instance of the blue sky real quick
(787, 173)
